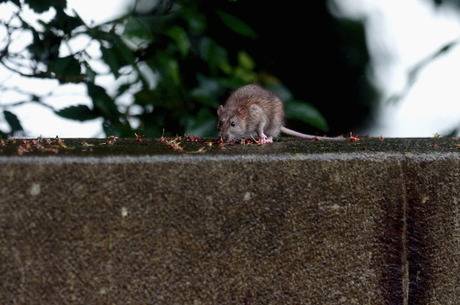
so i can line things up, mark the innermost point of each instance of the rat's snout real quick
(223, 136)
(226, 138)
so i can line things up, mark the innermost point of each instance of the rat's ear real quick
(220, 110)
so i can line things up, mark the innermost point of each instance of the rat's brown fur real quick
(254, 110)
(251, 112)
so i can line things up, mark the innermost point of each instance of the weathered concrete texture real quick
(264, 229)
(433, 189)
(131, 147)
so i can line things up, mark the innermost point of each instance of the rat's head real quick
(231, 124)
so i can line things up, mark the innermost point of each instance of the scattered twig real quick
(353, 138)
(110, 140)
(173, 143)
(41, 145)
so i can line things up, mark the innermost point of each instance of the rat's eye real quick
(233, 124)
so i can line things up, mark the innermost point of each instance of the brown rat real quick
(251, 112)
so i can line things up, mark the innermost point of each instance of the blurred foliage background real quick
(449, 2)
(180, 59)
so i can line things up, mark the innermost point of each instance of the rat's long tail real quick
(307, 136)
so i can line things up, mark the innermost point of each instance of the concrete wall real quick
(370, 226)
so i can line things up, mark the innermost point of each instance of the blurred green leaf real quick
(63, 21)
(118, 56)
(78, 113)
(245, 75)
(144, 97)
(45, 47)
(13, 121)
(280, 90)
(196, 21)
(110, 129)
(214, 55)
(90, 74)
(231, 82)
(99, 34)
(203, 124)
(124, 53)
(111, 59)
(306, 113)
(116, 128)
(168, 68)
(237, 25)
(137, 27)
(103, 102)
(207, 91)
(41, 6)
(245, 61)
(150, 127)
(66, 69)
(180, 37)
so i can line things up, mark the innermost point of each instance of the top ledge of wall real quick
(179, 147)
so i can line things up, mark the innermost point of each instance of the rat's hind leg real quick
(263, 138)
(273, 129)
(260, 119)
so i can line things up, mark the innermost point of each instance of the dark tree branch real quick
(415, 71)
(42, 75)
(36, 100)
(33, 98)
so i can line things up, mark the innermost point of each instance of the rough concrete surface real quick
(335, 226)
(433, 189)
